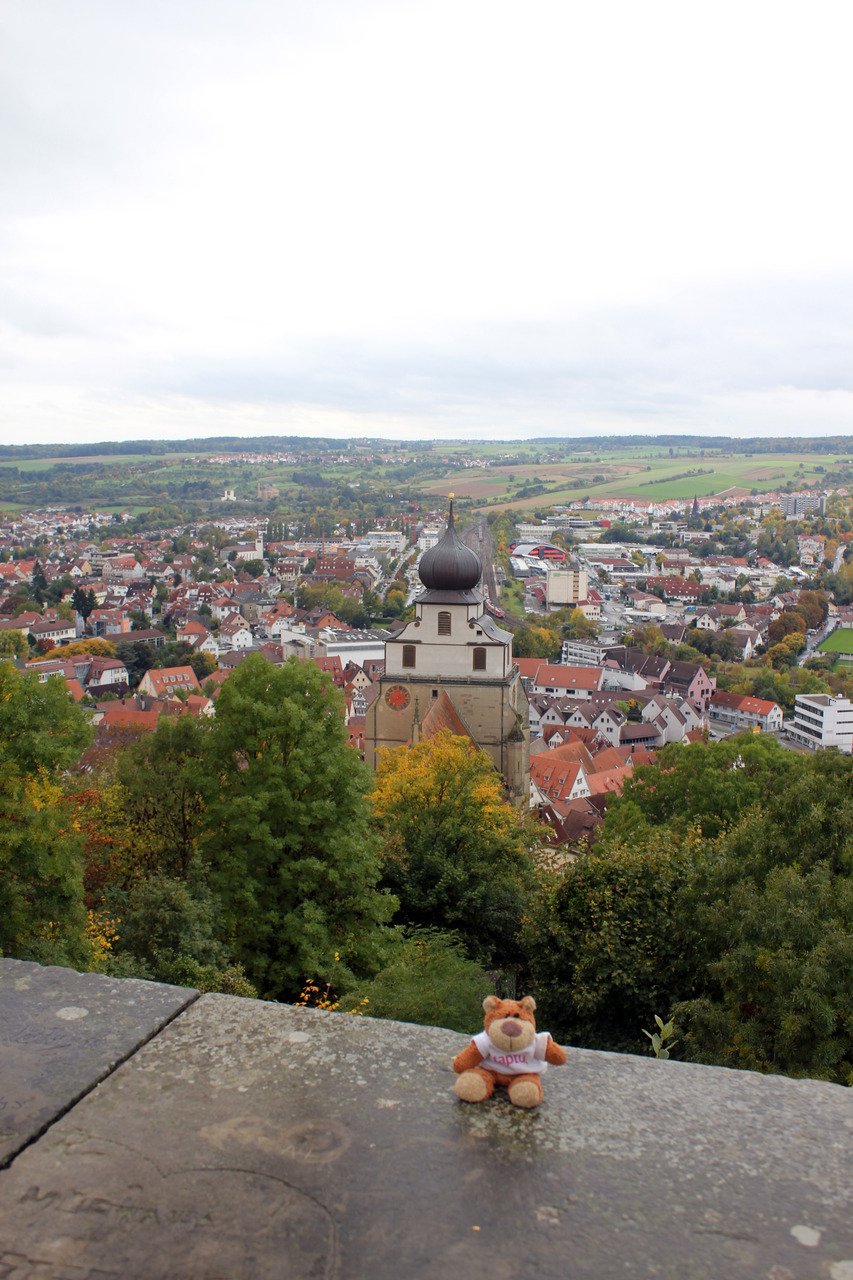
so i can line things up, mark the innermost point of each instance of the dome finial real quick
(450, 565)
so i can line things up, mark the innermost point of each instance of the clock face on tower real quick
(398, 697)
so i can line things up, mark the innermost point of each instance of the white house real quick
(235, 633)
(739, 712)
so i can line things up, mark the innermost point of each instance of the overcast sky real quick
(460, 218)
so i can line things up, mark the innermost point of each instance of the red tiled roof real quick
(528, 666)
(552, 675)
(443, 715)
(742, 702)
(612, 758)
(609, 780)
(576, 751)
(167, 679)
(554, 778)
(118, 717)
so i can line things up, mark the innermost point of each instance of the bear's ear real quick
(490, 1003)
(529, 1004)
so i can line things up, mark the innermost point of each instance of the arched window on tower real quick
(409, 655)
(444, 622)
(479, 659)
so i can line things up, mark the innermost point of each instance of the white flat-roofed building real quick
(580, 653)
(393, 539)
(428, 538)
(353, 646)
(536, 532)
(822, 721)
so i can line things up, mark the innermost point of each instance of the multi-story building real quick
(564, 587)
(536, 532)
(391, 539)
(427, 538)
(822, 721)
(796, 504)
(811, 548)
(582, 653)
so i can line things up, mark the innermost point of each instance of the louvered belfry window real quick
(444, 623)
(479, 659)
(408, 655)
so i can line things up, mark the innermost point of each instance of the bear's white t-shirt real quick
(514, 1062)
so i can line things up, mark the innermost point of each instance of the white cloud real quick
(428, 216)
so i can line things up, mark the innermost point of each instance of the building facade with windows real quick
(822, 721)
(741, 712)
(581, 653)
(797, 504)
(564, 587)
(453, 655)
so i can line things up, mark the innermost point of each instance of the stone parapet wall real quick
(160, 1136)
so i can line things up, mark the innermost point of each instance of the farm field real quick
(91, 460)
(631, 476)
(386, 478)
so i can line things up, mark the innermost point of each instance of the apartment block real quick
(823, 721)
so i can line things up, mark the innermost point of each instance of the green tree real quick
(159, 816)
(745, 938)
(650, 639)
(42, 733)
(770, 908)
(170, 928)
(137, 656)
(39, 582)
(254, 568)
(13, 644)
(287, 839)
(204, 665)
(702, 785)
(536, 642)
(175, 654)
(605, 950)
(454, 852)
(428, 979)
(580, 627)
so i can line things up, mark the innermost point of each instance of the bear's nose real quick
(511, 1029)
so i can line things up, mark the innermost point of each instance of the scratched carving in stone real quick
(196, 1217)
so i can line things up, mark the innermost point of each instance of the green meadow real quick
(840, 641)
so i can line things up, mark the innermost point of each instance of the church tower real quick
(452, 666)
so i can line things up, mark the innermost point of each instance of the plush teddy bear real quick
(509, 1052)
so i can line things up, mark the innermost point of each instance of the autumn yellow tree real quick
(581, 627)
(536, 642)
(96, 647)
(454, 851)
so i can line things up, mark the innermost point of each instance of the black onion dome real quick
(449, 565)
